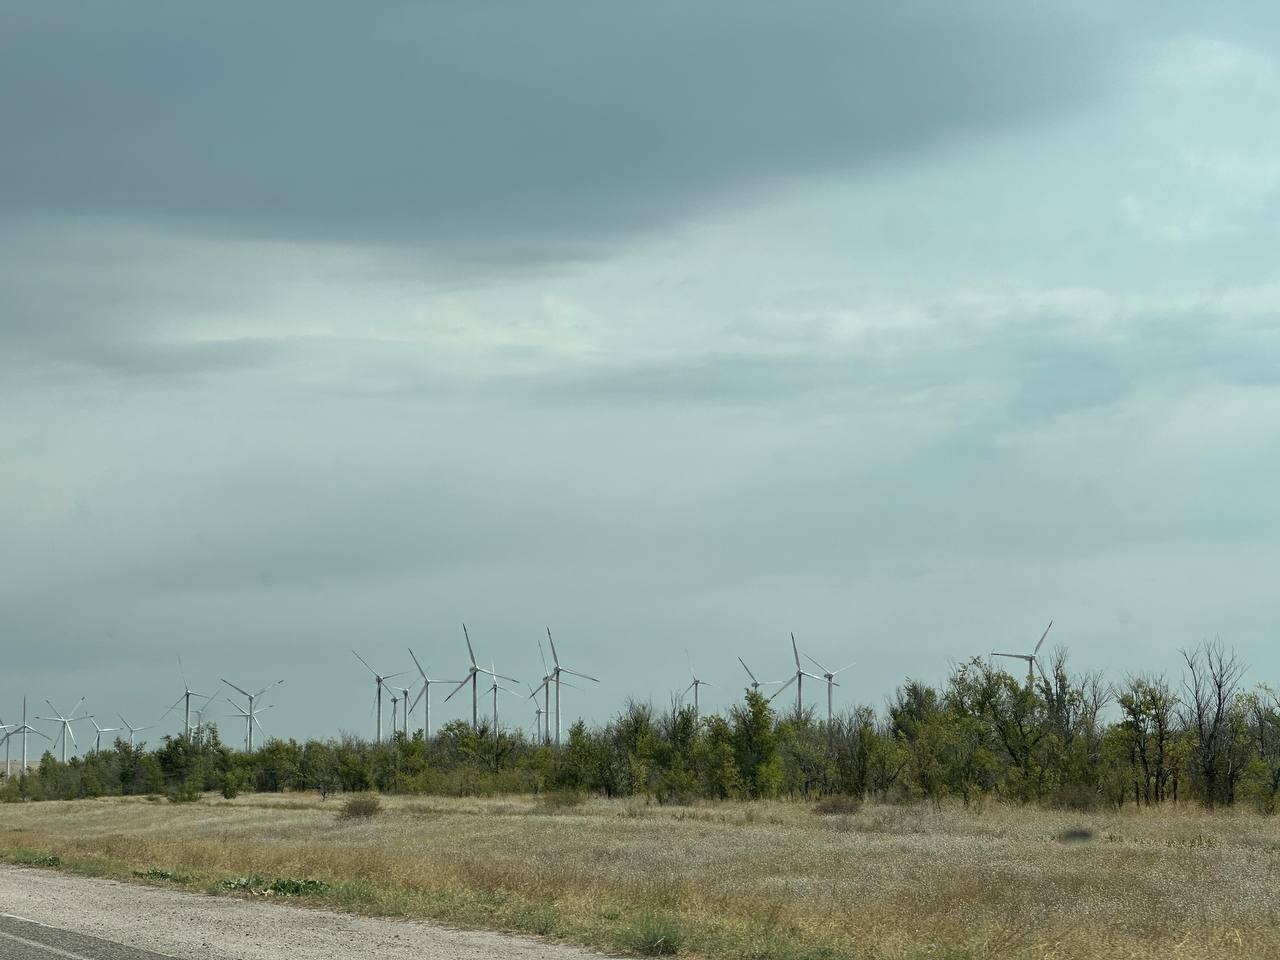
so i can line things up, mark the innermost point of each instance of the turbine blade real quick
(795, 650)
(554, 655)
(815, 660)
(1033, 652)
(171, 709)
(234, 687)
(845, 667)
(542, 653)
(420, 695)
(72, 714)
(582, 675)
(461, 684)
(417, 664)
(470, 651)
(748, 669)
(778, 692)
(366, 664)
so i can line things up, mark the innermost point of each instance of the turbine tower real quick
(555, 677)
(472, 678)
(98, 732)
(1033, 664)
(132, 729)
(494, 690)
(251, 717)
(755, 684)
(7, 729)
(797, 678)
(66, 722)
(24, 728)
(693, 686)
(379, 681)
(187, 694)
(830, 677)
(425, 696)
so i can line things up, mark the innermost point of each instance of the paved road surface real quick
(46, 915)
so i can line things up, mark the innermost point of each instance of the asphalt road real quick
(27, 940)
(45, 915)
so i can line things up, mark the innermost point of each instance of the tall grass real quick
(720, 880)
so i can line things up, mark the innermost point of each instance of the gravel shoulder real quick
(191, 926)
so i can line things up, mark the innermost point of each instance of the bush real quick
(364, 805)
(188, 792)
(654, 936)
(837, 805)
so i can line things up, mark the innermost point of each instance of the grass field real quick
(729, 880)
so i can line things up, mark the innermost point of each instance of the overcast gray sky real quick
(906, 327)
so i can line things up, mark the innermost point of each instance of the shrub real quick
(363, 805)
(187, 792)
(654, 936)
(837, 805)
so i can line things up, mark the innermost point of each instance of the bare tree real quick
(1213, 713)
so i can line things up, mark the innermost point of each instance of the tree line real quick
(1070, 740)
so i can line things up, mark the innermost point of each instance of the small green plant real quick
(654, 936)
(251, 882)
(29, 859)
(155, 873)
(288, 887)
(188, 792)
(361, 806)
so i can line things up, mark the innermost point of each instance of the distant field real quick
(728, 880)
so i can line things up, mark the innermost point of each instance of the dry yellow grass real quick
(764, 880)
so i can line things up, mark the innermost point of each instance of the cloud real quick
(497, 133)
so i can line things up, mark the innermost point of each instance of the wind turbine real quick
(24, 729)
(830, 677)
(66, 722)
(187, 694)
(380, 681)
(7, 729)
(132, 729)
(425, 696)
(252, 715)
(395, 726)
(471, 678)
(494, 690)
(693, 686)
(199, 725)
(555, 677)
(755, 684)
(544, 687)
(540, 732)
(250, 718)
(797, 678)
(1032, 663)
(97, 743)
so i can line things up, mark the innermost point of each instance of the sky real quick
(674, 327)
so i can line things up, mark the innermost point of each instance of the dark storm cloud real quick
(535, 131)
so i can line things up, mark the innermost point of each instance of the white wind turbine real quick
(251, 716)
(1033, 664)
(425, 696)
(544, 688)
(555, 678)
(7, 729)
(185, 699)
(133, 730)
(380, 680)
(472, 678)
(540, 731)
(24, 728)
(755, 684)
(98, 732)
(200, 724)
(797, 678)
(693, 686)
(494, 690)
(66, 722)
(830, 677)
